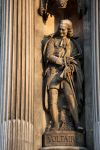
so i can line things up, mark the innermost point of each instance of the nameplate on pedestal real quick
(65, 138)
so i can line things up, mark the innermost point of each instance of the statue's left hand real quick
(70, 60)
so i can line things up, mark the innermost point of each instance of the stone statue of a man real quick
(63, 72)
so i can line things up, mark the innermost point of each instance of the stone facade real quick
(22, 119)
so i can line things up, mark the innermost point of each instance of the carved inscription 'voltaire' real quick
(63, 138)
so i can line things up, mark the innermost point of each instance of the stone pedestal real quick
(63, 140)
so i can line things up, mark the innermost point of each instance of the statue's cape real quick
(78, 75)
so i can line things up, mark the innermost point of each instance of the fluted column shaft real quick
(96, 72)
(16, 61)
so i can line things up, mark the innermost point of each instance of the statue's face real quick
(63, 30)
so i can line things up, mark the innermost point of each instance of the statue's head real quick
(66, 28)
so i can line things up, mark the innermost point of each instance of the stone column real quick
(96, 72)
(88, 78)
(16, 75)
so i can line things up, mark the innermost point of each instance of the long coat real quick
(54, 72)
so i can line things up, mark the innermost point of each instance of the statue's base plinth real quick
(63, 138)
(63, 148)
